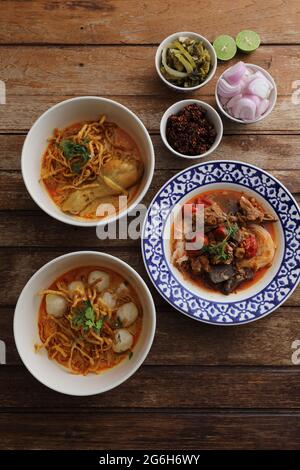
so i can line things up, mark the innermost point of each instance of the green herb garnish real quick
(130, 354)
(77, 154)
(85, 318)
(218, 250)
(98, 325)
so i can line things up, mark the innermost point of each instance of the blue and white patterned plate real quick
(249, 304)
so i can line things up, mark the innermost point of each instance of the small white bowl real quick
(64, 114)
(273, 96)
(26, 332)
(211, 115)
(208, 46)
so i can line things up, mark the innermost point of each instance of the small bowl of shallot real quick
(246, 93)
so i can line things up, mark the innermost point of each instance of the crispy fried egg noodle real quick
(91, 323)
(90, 164)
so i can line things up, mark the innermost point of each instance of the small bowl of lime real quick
(226, 47)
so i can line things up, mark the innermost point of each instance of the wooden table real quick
(201, 386)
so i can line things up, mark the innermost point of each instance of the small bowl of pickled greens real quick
(185, 61)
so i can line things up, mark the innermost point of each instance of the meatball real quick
(56, 305)
(75, 286)
(109, 299)
(123, 340)
(103, 280)
(127, 313)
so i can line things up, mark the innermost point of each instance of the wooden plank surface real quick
(243, 390)
(21, 111)
(144, 430)
(131, 22)
(19, 264)
(13, 196)
(35, 85)
(121, 70)
(264, 343)
(277, 153)
(160, 388)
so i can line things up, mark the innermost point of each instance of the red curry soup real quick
(236, 247)
(91, 163)
(89, 320)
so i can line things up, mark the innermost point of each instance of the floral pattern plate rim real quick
(195, 305)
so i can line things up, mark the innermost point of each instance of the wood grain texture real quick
(201, 386)
(18, 265)
(146, 430)
(264, 150)
(118, 70)
(160, 387)
(131, 22)
(13, 196)
(277, 153)
(264, 343)
(20, 112)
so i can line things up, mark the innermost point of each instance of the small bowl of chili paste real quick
(191, 129)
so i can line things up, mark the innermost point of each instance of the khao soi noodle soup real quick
(89, 320)
(236, 246)
(91, 163)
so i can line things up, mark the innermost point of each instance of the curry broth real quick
(123, 140)
(227, 199)
(81, 274)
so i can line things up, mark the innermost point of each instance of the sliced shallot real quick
(262, 107)
(256, 100)
(244, 109)
(244, 92)
(260, 87)
(234, 74)
(233, 100)
(226, 90)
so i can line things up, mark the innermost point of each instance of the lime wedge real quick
(247, 40)
(225, 47)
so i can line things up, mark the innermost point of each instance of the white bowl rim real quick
(204, 105)
(146, 264)
(211, 52)
(263, 116)
(150, 337)
(60, 215)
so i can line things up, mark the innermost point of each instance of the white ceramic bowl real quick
(26, 330)
(273, 96)
(211, 115)
(208, 46)
(69, 112)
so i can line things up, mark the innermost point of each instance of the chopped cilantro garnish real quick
(84, 316)
(219, 250)
(78, 154)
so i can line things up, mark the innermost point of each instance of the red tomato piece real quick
(221, 232)
(250, 246)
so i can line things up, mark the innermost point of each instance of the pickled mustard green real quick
(185, 62)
